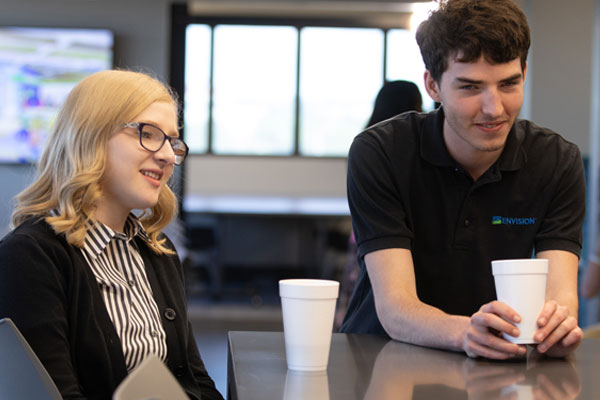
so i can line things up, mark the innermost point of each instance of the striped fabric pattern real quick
(121, 276)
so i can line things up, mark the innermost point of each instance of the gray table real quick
(374, 368)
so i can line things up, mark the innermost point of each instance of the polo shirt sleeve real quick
(561, 227)
(376, 204)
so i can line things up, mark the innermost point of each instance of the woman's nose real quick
(165, 154)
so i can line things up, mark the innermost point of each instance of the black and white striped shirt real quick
(121, 276)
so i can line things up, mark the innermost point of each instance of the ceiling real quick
(384, 13)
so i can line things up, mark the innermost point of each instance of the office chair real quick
(151, 380)
(22, 375)
(203, 254)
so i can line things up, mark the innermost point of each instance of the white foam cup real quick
(308, 307)
(521, 284)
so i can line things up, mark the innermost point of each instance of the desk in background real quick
(369, 367)
(292, 236)
(268, 205)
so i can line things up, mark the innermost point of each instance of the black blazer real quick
(51, 294)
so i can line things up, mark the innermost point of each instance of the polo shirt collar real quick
(99, 235)
(433, 147)
(513, 156)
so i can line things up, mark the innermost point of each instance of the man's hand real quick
(559, 333)
(483, 337)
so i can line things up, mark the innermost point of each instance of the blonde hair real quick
(74, 158)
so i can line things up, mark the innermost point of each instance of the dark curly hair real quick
(467, 29)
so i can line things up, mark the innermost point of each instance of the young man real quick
(436, 197)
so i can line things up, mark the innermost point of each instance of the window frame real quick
(180, 19)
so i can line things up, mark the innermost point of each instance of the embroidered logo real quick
(498, 220)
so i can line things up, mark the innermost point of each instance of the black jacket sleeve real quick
(33, 294)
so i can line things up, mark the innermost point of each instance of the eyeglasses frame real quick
(140, 126)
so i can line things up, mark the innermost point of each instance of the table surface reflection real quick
(369, 367)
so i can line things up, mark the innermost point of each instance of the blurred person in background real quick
(395, 97)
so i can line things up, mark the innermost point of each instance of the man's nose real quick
(492, 103)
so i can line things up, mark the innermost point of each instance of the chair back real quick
(22, 375)
(151, 380)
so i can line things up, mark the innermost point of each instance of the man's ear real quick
(432, 87)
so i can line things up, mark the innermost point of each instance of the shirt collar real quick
(433, 147)
(99, 235)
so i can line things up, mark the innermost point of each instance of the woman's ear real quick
(432, 87)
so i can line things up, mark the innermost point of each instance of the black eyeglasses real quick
(152, 138)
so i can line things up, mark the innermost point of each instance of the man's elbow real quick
(389, 314)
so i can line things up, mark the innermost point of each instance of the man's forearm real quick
(562, 279)
(399, 309)
(411, 321)
(406, 318)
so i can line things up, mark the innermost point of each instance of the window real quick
(254, 92)
(340, 75)
(274, 87)
(404, 61)
(197, 87)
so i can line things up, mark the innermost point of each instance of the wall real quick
(141, 30)
(559, 72)
(141, 26)
(560, 67)
(296, 176)
(13, 178)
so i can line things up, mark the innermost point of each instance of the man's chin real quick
(492, 146)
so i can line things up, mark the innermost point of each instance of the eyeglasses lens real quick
(153, 138)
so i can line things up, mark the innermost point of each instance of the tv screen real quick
(38, 68)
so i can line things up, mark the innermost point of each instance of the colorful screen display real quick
(38, 69)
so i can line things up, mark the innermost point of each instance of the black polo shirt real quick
(406, 191)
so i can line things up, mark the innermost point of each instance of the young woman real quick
(94, 286)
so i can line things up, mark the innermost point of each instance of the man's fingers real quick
(502, 310)
(556, 326)
(565, 346)
(484, 321)
(560, 332)
(547, 312)
(483, 343)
